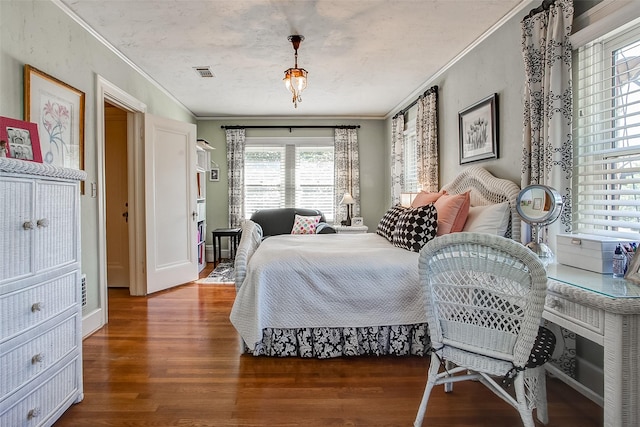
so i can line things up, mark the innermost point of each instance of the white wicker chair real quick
(484, 297)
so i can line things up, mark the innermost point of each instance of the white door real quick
(170, 203)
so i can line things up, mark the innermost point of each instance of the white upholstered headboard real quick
(486, 189)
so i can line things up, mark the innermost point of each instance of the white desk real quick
(606, 311)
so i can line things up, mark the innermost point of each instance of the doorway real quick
(116, 196)
(144, 133)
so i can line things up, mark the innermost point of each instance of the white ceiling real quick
(365, 58)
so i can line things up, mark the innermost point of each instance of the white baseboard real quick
(91, 322)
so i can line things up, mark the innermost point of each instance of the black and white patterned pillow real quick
(388, 222)
(415, 227)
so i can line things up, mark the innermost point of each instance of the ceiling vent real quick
(204, 71)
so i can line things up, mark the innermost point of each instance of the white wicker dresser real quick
(40, 292)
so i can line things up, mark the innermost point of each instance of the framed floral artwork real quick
(19, 140)
(478, 130)
(58, 110)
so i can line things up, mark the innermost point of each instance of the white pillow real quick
(493, 219)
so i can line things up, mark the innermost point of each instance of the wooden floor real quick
(173, 359)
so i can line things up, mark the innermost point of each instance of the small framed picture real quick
(214, 174)
(19, 140)
(357, 221)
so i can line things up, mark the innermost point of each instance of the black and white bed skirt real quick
(323, 343)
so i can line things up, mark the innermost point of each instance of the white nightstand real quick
(350, 229)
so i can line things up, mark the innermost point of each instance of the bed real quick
(331, 295)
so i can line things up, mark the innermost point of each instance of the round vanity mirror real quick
(539, 205)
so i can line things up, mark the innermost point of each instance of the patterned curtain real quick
(427, 141)
(397, 158)
(547, 156)
(346, 171)
(235, 165)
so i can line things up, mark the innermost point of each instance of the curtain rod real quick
(432, 89)
(546, 4)
(292, 127)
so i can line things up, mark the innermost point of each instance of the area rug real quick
(222, 275)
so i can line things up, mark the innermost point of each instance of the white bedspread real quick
(327, 280)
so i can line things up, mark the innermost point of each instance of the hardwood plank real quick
(173, 359)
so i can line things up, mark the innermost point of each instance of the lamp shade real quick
(296, 80)
(347, 199)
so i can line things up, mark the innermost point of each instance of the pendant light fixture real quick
(296, 78)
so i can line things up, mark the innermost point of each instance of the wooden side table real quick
(234, 238)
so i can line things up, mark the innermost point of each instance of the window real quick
(410, 148)
(289, 172)
(607, 133)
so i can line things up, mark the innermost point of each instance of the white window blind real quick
(410, 159)
(289, 173)
(264, 183)
(607, 133)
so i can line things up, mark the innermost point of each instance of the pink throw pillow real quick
(452, 212)
(424, 197)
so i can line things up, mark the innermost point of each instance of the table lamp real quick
(347, 200)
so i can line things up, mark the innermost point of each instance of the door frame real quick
(107, 91)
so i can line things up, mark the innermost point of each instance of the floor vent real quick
(83, 283)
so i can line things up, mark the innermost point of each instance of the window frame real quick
(289, 144)
(591, 205)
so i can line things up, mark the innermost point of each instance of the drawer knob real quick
(27, 225)
(36, 306)
(43, 222)
(38, 358)
(35, 412)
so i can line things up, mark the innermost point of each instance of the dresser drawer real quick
(30, 306)
(28, 359)
(584, 316)
(43, 405)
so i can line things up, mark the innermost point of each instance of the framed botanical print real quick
(58, 110)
